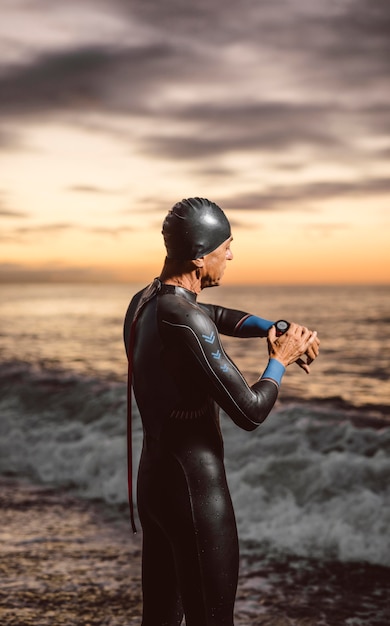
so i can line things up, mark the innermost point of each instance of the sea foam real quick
(307, 482)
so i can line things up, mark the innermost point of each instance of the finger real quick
(314, 347)
(305, 366)
(293, 329)
(316, 343)
(304, 333)
(312, 352)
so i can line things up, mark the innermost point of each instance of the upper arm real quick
(199, 338)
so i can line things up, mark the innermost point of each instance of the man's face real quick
(215, 264)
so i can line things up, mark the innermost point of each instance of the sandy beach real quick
(63, 562)
(67, 561)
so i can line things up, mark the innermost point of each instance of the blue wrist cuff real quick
(274, 370)
(253, 322)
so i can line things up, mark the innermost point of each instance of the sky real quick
(113, 110)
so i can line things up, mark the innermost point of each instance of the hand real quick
(311, 354)
(313, 350)
(295, 344)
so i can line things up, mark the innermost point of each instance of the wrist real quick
(274, 370)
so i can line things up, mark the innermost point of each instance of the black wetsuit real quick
(181, 375)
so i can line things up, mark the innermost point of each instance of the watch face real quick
(281, 327)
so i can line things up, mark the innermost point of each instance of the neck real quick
(187, 282)
(180, 275)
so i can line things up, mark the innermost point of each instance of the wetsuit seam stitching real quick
(239, 324)
(271, 380)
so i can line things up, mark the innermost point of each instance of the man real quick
(181, 375)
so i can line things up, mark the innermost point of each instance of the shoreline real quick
(66, 561)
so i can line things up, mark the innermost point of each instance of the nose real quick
(229, 255)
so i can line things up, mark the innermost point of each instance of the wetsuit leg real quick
(161, 597)
(203, 534)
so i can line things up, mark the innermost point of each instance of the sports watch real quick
(281, 327)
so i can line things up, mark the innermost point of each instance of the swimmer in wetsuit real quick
(181, 375)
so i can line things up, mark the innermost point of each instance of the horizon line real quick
(224, 284)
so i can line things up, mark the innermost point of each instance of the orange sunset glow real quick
(275, 111)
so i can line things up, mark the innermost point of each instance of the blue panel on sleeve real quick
(275, 370)
(254, 322)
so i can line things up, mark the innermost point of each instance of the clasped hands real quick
(298, 345)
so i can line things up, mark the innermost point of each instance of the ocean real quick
(312, 483)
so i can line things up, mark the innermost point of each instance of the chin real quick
(211, 283)
(215, 283)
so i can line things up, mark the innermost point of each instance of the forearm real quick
(252, 409)
(236, 323)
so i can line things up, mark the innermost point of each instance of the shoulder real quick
(179, 312)
(130, 316)
(133, 306)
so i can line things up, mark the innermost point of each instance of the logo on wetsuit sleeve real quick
(216, 355)
(209, 338)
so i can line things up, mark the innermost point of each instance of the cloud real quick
(102, 79)
(59, 81)
(294, 80)
(116, 231)
(91, 189)
(287, 196)
(32, 233)
(325, 230)
(11, 213)
(261, 127)
(10, 140)
(197, 47)
(358, 43)
(258, 78)
(53, 273)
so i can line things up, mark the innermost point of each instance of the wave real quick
(312, 481)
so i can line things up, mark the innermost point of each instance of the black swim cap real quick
(194, 227)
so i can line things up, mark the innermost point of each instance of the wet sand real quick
(63, 561)
(66, 561)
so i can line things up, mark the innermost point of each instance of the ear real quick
(199, 262)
